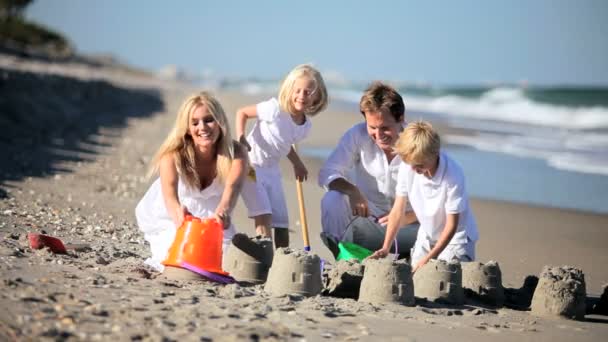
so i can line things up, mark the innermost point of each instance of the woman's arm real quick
(168, 181)
(232, 187)
(242, 115)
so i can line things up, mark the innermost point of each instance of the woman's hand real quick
(381, 253)
(223, 218)
(180, 215)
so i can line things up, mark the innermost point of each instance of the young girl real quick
(201, 171)
(279, 124)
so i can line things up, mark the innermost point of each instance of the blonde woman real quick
(278, 124)
(201, 172)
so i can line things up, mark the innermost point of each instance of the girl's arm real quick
(451, 223)
(168, 182)
(298, 166)
(242, 115)
(232, 188)
(392, 228)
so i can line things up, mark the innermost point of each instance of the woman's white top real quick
(158, 227)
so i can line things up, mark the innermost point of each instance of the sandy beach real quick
(85, 191)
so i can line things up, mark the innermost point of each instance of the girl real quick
(201, 172)
(279, 124)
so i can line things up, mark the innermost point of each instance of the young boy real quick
(434, 185)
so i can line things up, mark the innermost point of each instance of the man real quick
(360, 176)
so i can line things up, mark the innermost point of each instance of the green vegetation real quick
(19, 33)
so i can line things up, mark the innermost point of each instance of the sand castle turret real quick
(294, 272)
(249, 259)
(483, 282)
(560, 292)
(440, 281)
(387, 281)
(344, 279)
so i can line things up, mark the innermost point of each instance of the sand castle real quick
(344, 279)
(387, 281)
(294, 272)
(440, 281)
(560, 292)
(483, 282)
(249, 259)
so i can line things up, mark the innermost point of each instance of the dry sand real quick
(88, 194)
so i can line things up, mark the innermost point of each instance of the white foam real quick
(560, 154)
(511, 105)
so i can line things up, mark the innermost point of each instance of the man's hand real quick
(358, 204)
(381, 253)
(244, 142)
(383, 220)
(300, 171)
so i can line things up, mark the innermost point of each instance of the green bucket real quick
(349, 251)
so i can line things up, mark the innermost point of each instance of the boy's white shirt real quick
(273, 134)
(360, 161)
(432, 199)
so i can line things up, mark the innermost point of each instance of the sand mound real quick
(248, 259)
(440, 281)
(344, 279)
(387, 281)
(294, 272)
(560, 292)
(483, 282)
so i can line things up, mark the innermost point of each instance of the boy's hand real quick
(300, 171)
(420, 263)
(244, 142)
(381, 253)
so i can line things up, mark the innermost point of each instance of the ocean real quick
(544, 146)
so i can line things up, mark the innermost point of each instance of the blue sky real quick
(545, 42)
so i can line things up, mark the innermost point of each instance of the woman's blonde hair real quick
(179, 143)
(320, 99)
(417, 143)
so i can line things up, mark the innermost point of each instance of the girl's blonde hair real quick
(179, 142)
(320, 99)
(417, 143)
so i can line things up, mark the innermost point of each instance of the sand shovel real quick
(302, 212)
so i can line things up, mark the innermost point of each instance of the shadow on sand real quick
(48, 119)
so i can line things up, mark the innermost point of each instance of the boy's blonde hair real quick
(417, 143)
(320, 99)
(179, 143)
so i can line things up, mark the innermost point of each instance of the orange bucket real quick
(198, 243)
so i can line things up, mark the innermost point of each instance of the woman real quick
(201, 172)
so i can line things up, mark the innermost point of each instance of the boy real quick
(434, 185)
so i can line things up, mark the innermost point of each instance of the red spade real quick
(38, 241)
